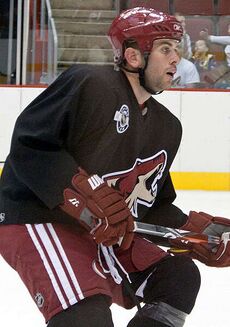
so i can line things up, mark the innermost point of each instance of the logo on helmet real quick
(177, 27)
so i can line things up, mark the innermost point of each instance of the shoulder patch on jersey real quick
(122, 118)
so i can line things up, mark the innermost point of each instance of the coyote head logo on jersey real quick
(139, 183)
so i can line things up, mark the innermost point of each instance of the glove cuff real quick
(73, 205)
(197, 221)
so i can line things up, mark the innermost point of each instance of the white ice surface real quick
(212, 308)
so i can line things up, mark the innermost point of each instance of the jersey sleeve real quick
(164, 212)
(40, 155)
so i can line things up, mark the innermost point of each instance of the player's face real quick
(162, 64)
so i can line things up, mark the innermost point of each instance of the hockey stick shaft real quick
(173, 233)
(159, 231)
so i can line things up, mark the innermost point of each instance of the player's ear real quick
(133, 57)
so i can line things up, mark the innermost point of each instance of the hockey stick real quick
(174, 233)
(159, 231)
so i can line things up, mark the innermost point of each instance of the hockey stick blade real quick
(173, 233)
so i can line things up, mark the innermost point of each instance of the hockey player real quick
(95, 146)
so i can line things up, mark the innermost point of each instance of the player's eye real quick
(166, 50)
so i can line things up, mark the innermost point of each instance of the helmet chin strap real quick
(141, 72)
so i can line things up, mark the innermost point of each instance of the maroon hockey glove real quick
(209, 254)
(112, 217)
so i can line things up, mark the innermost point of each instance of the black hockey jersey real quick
(90, 117)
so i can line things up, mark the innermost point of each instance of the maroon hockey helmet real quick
(143, 25)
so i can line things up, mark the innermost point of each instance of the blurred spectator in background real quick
(224, 40)
(186, 40)
(186, 74)
(203, 59)
(219, 77)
